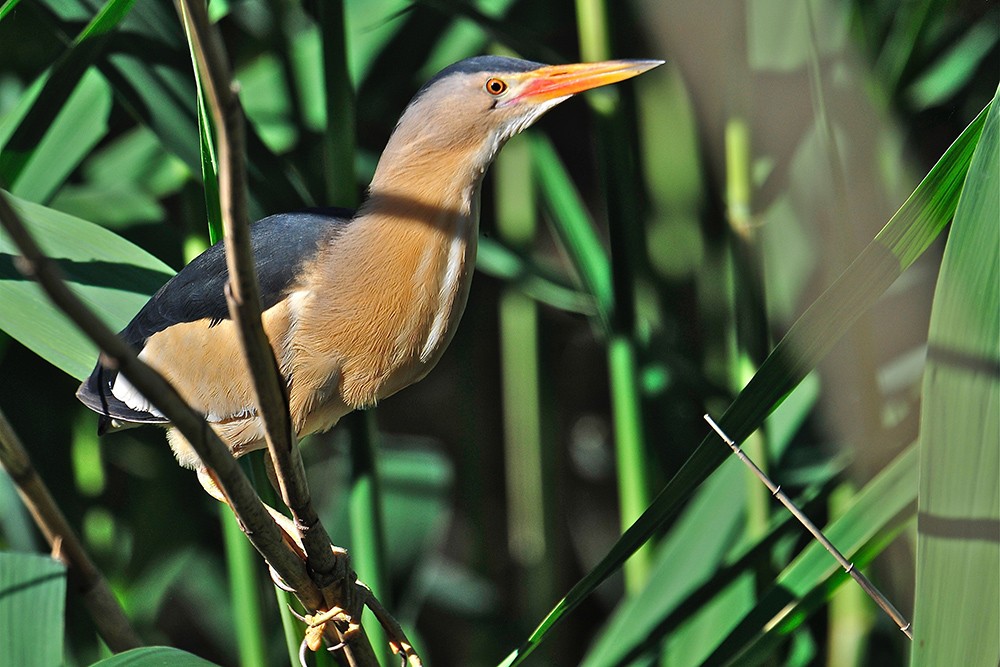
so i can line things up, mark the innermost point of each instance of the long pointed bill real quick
(559, 81)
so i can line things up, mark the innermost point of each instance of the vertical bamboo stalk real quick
(242, 568)
(745, 310)
(239, 554)
(528, 464)
(620, 185)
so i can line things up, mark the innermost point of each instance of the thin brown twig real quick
(332, 575)
(108, 616)
(874, 593)
(254, 518)
(243, 297)
(244, 304)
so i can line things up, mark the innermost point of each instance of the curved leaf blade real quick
(113, 276)
(32, 596)
(60, 83)
(957, 606)
(154, 656)
(80, 124)
(907, 234)
(874, 518)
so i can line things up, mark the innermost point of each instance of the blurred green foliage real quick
(685, 223)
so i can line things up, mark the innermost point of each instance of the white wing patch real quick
(125, 392)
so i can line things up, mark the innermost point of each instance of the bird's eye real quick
(496, 86)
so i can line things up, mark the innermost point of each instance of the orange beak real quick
(555, 81)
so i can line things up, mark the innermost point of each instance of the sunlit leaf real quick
(76, 129)
(954, 70)
(873, 519)
(32, 600)
(957, 609)
(154, 656)
(111, 275)
(573, 225)
(901, 241)
(705, 556)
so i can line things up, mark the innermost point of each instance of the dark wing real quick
(281, 244)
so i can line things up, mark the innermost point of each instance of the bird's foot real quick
(316, 627)
(348, 624)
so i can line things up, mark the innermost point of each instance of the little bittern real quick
(356, 305)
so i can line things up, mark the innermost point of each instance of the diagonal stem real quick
(109, 617)
(257, 524)
(875, 594)
(243, 296)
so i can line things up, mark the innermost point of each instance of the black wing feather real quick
(281, 244)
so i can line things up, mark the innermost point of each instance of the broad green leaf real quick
(32, 600)
(139, 154)
(306, 52)
(16, 526)
(154, 656)
(957, 606)
(689, 549)
(914, 226)
(513, 35)
(371, 24)
(464, 38)
(133, 171)
(131, 205)
(160, 93)
(113, 276)
(265, 100)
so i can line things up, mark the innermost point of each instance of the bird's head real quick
(465, 113)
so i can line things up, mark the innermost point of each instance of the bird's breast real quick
(386, 303)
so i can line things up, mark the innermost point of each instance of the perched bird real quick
(356, 305)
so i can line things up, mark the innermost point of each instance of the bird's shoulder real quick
(281, 243)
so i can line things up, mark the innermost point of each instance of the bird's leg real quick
(208, 482)
(355, 595)
(398, 641)
(342, 569)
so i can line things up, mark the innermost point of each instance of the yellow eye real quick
(496, 86)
